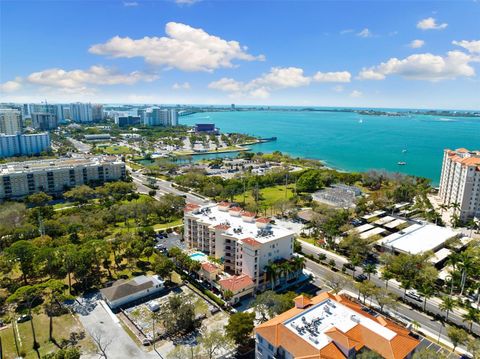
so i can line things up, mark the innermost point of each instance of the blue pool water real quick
(197, 256)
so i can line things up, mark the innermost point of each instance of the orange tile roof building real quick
(330, 327)
(460, 181)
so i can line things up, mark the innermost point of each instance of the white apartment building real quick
(24, 144)
(160, 117)
(460, 181)
(245, 244)
(10, 121)
(19, 179)
(81, 112)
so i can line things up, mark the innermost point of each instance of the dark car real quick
(23, 318)
(361, 278)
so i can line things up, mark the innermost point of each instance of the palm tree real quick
(443, 207)
(272, 271)
(427, 291)
(386, 276)
(447, 305)
(454, 218)
(465, 265)
(472, 316)
(370, 269)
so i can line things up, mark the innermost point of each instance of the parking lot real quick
(425, 343)
(165, 241)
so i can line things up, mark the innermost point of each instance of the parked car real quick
(23, 318)
(361, 278)
(414, 295)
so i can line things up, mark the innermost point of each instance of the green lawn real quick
(269, 195)
(117, 150)
(177, 222)
(63, 326)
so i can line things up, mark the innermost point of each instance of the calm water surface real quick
(351, 141)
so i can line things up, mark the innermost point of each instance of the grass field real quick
(269, 196)
(63, 326)
(177, 222)
(117, 150)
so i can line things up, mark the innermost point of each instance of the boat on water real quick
(401, 163)
(360, 121)
(404, 151)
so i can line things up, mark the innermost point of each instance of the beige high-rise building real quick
(10, 121)
(460, 181)
(19, 179)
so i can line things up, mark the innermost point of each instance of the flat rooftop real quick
(238, 228)
(313, 324)
(28, 166)
(418, 238)
(372, 232)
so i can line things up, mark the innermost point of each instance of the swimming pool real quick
(198, 256)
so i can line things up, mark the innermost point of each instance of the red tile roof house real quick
(239, 285)
(330, 326)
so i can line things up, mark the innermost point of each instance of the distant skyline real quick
(409, 54)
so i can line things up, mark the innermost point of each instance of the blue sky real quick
(325, 53)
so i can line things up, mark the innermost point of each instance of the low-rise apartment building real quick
(331, 326)
(19, 179)
(460, 181)
(245, 244)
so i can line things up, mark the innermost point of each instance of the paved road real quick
(432, 304)
(164, 187)
(100, 321)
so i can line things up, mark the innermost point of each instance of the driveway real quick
(97, 318)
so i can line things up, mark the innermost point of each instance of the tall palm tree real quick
(447, 305)
(386, 276)
(370, 269)
(454, 218)
(466, 264)
(427, 290)
(472, 316)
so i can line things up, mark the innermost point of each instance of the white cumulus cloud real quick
(423, 67)
(416, 44)
(11, 86)
(95, 75)
(431, 24)
(130, 3)
(277, 78)
(185, 48)
(356, 93)
(472, 46)
(181, 86)
(341, 76)
(365, 33)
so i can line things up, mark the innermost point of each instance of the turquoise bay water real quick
(354, 142)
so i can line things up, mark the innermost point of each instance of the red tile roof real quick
(252, 242)
(248, 214)
(209, 267)
(223, 227)
(235, 209)
(190, 207)
(236, 283)
(263, 220)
